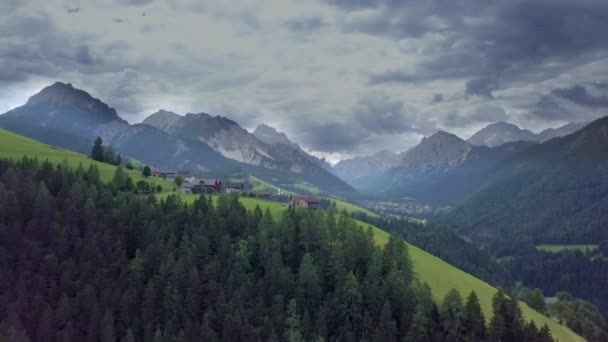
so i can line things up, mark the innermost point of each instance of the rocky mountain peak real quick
(441, 149)
(271, 136)
(500, 133)
(162, 119)
(65, 95)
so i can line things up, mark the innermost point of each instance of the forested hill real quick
(555, 192)
(82, 260)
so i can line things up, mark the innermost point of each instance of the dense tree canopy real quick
(88, 261)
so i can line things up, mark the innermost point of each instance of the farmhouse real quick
(169, 175)
(306, 202)
(211, 185)
(266, 194)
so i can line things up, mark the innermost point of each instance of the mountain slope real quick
(551, 133)
(553, 192)
(272, 137)
(280, 160)
(15, 146)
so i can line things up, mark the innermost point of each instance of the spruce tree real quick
(97, 153)
(473, 318)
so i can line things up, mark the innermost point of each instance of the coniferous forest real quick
(82, 260)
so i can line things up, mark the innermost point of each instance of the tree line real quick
(82, 260)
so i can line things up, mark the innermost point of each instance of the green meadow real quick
(14, 146)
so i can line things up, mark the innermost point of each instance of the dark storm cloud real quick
(331, 136)
(33, 45)
(579, 95)
(510, 41)
(372, 116)
(437, 98)
(481, 87)
(380, 115)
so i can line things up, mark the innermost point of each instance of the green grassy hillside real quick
(14, 146)
(440, 275)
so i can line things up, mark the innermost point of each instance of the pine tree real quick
(473, 318)
(452, 316)
(308, 288)
(107, 327)
(386, 330)
(98, 151)
(292, 323)
(146, 172)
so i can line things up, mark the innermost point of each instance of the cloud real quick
(337, 75)
(73, 10)
(305, 24)
(380, 115)
(483, 113)
(481, 87)
(579, 95)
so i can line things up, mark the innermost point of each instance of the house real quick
(170, 176)
(211, 185)
(235, 188)
(306, 202)
(266, 194)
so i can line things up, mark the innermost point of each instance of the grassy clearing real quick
(14, 146)
(559, 248)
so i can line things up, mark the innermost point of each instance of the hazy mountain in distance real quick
(500, 133)
(442, 169)
(568, 128)
(353, 169)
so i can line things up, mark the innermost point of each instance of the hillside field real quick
(14, 146)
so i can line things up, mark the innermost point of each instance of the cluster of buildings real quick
(194, 185)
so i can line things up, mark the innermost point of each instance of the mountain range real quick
(554, 192)
(501, 133)
(64, 116)
(437, 159)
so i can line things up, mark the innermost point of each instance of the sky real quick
(340, 77)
